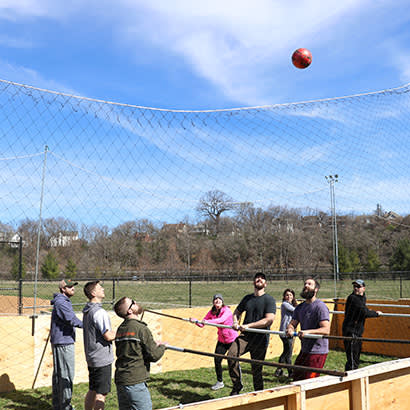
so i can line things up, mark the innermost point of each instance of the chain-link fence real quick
(165, 291)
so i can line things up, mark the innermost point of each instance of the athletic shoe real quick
(235, 391)
(218, 385)
(279, 373)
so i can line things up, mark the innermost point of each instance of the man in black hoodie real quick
(356, 313)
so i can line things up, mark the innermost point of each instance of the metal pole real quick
(38, 236)
(20, 275)
(331, 179)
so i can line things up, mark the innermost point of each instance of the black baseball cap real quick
(359, 282)
(259, 275)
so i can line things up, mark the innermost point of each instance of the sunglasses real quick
(132, 303)
(357, 286)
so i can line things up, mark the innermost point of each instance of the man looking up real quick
(356, 313)
(260, 313)
(135, 350)
(98, 349)
(313, 316)
(62, 336)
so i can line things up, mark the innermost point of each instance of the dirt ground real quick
(9, 304)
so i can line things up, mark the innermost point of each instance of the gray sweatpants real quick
(63, 376)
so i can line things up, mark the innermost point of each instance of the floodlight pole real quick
(38, 239)
(331, 179)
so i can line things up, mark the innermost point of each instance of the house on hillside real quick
(63, 239)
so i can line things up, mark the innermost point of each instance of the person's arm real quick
(66, 313)
(323, 329)
(236, 318)
(372, 313)
(103, 324)
(291, 328)
(260, 324)
(109, 335)
(288, 307)
(225, 316)
(153, 351)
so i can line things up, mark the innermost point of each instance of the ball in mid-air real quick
(301, 58)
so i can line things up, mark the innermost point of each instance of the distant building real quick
(12, 238)
(63, 239)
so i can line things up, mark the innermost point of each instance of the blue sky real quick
(198, 55)
(106, 164)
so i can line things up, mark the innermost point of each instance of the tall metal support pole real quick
(20, 275)
(38, 238)
(331, 179)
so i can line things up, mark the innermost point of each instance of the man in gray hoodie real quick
(99, 354)
(62, 335)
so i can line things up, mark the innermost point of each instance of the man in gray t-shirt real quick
(98, 338)
(313, 316)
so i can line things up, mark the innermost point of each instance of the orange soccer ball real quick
(301, 58)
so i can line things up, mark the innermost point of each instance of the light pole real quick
(331, 179)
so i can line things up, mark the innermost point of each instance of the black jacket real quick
(356, 313)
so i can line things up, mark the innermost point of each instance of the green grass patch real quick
(171, 388)
(163, 295)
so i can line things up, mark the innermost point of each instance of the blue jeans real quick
(63, 376)
(134, 397)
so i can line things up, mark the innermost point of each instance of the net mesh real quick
(120, 188)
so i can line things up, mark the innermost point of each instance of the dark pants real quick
(353, 349)
(257, 351)
(286, 356)
(221, 348)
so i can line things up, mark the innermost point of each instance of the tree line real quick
(227, 237)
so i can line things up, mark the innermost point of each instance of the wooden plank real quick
(359, 394)
(276, 398)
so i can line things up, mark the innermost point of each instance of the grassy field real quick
(181, 294)
(170, 389)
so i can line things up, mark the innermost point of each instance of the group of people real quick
(136, 348)
(313, 317)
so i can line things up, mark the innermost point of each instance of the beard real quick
(307, 294)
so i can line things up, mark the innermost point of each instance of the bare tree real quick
(213, 204)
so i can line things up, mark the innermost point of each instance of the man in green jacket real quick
(135, 349)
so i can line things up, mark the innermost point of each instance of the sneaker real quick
(218, 385)
(235, 391)
(279, 373)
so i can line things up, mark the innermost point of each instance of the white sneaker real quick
(218, 385)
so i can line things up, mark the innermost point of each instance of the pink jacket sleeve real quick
(224, 319)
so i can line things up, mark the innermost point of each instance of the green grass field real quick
(178, 294)
(170, 389)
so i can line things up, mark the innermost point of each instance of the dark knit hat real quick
(218, 296)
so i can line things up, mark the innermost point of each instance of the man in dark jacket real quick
(135, 349)
(62, 335)
(356, 313)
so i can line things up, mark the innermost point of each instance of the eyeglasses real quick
(132, 303)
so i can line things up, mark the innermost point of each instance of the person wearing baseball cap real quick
(62, 337)
(356, 313)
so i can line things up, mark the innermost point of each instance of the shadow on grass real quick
(25, 400)
(182, 390)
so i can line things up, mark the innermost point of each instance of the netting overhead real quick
(107, 163)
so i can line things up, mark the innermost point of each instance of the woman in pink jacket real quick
(222, 315)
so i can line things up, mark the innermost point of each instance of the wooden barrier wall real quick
(20, 352)
(381, 386)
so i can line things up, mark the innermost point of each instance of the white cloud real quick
(231, 43)
(25, 75)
